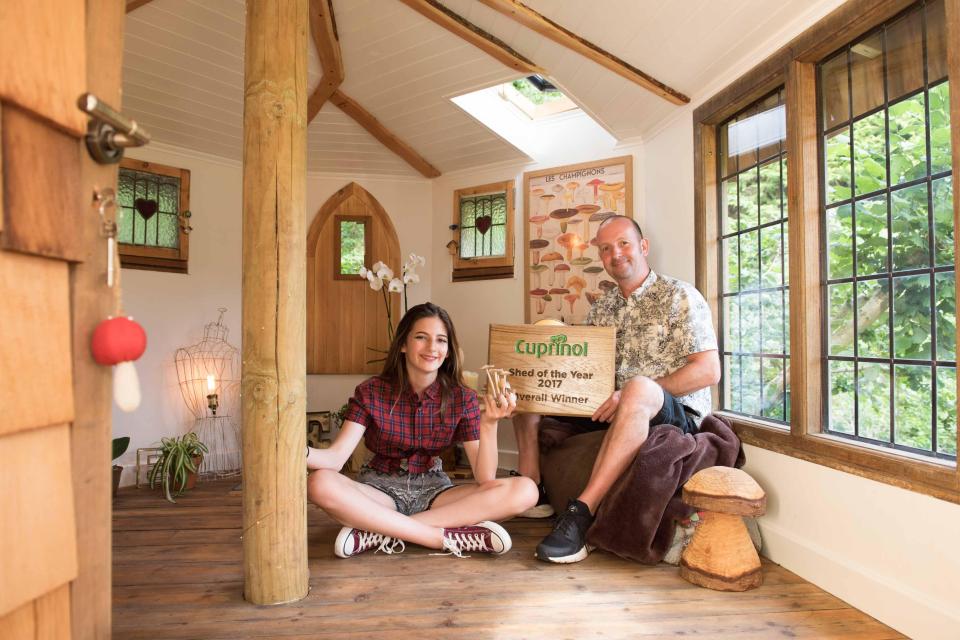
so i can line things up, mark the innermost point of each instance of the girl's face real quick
(426, 346)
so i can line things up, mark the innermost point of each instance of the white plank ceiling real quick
(183, 72)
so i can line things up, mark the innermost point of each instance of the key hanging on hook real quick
(104, 199)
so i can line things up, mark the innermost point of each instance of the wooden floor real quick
(177, 573)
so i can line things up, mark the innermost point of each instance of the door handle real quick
(109, 132)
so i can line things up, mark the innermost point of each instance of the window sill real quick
(933, 477)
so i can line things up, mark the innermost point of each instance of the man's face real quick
(623, 252)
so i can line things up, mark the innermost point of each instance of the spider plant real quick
(178, 458)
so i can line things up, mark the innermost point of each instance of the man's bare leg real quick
(640, 400)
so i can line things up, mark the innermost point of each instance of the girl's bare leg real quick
(468, 504)
(358, 505)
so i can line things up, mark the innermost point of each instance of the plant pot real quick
(191, 476)
(117, 472)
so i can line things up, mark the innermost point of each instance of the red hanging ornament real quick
(118, 342)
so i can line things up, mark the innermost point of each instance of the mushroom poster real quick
(563, 207)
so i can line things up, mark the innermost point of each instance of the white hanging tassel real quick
(126, 387)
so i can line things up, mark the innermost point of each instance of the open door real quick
(54, 400)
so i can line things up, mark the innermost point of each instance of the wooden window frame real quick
(161, 258)
(484, 268)
(794, 67)
(367, 245)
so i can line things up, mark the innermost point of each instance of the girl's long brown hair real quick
(395, 367)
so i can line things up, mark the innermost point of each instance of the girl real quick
(407, 415)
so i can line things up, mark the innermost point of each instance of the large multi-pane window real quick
(888, 248)
(755, 328)
(865, 334)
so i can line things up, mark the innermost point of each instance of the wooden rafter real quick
(473, 34)
(550, 29)
(323, 28)
(366, 120)
(136, 4)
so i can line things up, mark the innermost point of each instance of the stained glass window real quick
(482, 245)
(148, 209)
(153, 217)
(483, 225)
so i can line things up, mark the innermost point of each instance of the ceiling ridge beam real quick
(486, 42)
(323, 29)
(562, 36)
(366, 120)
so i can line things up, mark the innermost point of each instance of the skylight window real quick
(536, 97)
(537, 118)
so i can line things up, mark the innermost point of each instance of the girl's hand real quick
(499, 406)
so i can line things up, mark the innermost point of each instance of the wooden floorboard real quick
(178, 573)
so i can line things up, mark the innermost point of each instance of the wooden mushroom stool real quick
(721, 555)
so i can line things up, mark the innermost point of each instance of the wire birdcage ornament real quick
(209, 377)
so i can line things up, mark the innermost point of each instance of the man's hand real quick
(608, 409)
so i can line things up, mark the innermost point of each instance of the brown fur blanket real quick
(638, 517)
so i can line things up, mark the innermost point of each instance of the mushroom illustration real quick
(565, 268)
(545, 201)
(595, 183)
(607, 192)
(563, 215)
(607, 285)
(557, 294)
(592, 272)
(571, 193)
(571, 300)
(539, 220)
(537, 269)
(576, 283)
(551, 256)
(585, 211)
(581, 261)
(581, 247)
(536, 244)
(568, 241)
(537, 294)
(593, 296)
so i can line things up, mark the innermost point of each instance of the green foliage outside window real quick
(891, 284)
(352, 247)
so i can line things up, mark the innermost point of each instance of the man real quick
(666, 361)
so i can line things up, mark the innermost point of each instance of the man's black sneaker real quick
(542, 509)
(568, 540)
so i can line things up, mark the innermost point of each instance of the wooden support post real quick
(274, 302)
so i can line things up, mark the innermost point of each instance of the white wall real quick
(475, 305)
(173, 308)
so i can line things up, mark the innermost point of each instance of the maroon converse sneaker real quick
(483, 537)
(351, 542)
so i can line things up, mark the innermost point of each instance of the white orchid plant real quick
(381, 278)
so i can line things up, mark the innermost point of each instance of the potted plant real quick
(119, 448)
(176, 468)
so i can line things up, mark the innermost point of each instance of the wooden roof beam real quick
(135, 4)
(323, 28)
(550, 29)
(473, 34)
(366, 120)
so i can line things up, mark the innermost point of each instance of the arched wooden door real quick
(346, 318)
